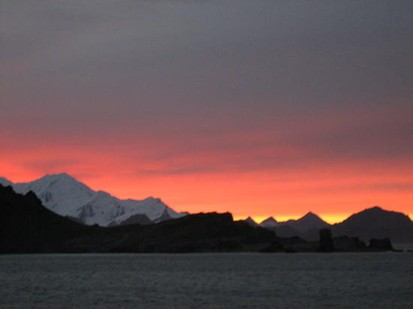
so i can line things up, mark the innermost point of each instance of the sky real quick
(260, 108)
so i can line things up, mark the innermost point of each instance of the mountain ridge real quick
(378, 222)
(373, 222)
(26, 226)
(307, 222)
(29, 227)
(66, 196)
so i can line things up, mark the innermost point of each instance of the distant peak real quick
(59, 175)
(61, 179)
(375, 208)
(311, 218)
(249, 219)
(371, 210)
(152, 199)
(269, 219)
(310, 214)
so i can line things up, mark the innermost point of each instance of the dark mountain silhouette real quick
(286, 230)
(26, 226)
(309, 221)
(202, 233)
(250, 221)
(371, 223)
(269, 223)
(306, 227)
(376, 222)
(137, 219)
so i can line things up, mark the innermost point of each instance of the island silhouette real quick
(28, 227)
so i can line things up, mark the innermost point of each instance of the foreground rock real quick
(327, 243)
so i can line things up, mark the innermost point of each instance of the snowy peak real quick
(60, 180)
(60, 193)
(66, 196)
(5, 182)
(60, 176)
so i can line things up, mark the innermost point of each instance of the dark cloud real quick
(201, 72)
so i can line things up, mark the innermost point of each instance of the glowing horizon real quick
(281, 214)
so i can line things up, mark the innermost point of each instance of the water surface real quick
(368, 280)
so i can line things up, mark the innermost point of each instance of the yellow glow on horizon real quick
(331, 219)
(334, 218)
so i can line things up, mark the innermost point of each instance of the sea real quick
(219, 280)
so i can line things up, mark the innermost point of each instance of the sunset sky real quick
(261, 108)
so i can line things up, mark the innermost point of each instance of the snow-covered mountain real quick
(67, 196)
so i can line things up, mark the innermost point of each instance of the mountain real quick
(67, 196)
(28, 227)
(308, 222)
(306, 227)
(250, 221)
(376, 222)
(137, 219)
(372, 223)
(5, 182)
(269, 223)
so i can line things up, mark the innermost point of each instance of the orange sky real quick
(265, 108)
(332, 191)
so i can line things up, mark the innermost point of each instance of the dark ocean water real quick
(359, 280)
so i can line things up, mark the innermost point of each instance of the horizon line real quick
(329, 218)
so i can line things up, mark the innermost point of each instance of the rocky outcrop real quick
(349, 244)
(381, 245)
(326, 241)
